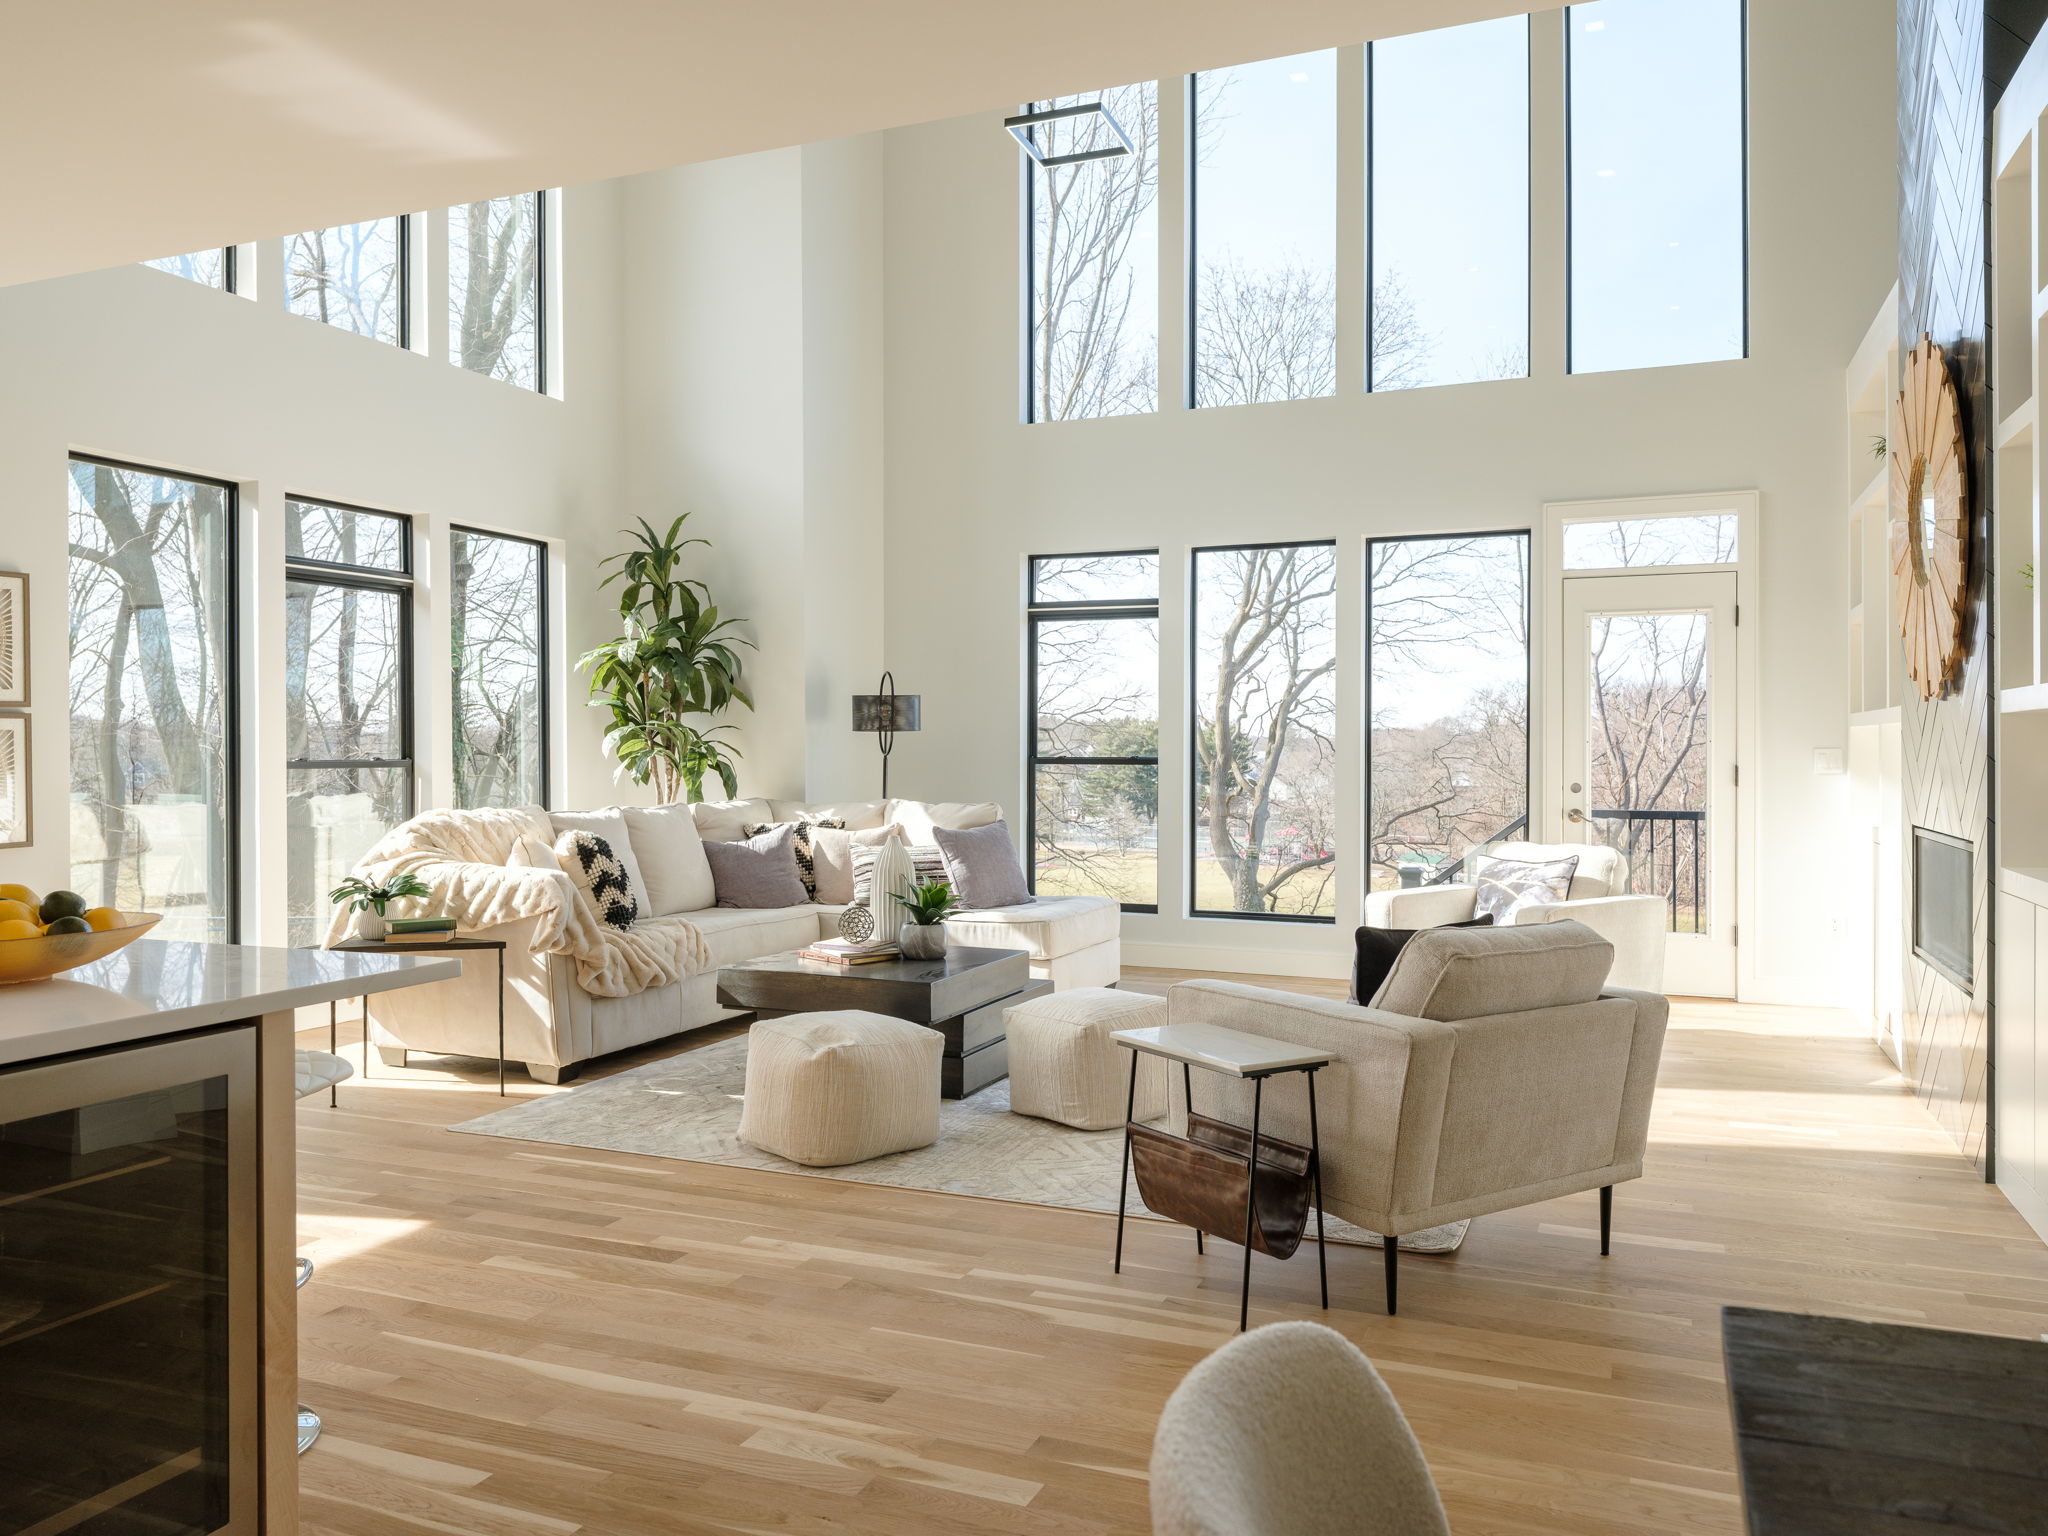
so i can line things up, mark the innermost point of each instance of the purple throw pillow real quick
(760, 872)
(982, 866)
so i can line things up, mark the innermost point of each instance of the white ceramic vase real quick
(893, 874)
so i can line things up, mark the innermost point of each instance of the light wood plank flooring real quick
(512, 1339)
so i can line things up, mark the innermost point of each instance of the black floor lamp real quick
(885, 713)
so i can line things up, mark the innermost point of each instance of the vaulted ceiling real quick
(139, 128)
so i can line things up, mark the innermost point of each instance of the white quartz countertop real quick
(160, 987)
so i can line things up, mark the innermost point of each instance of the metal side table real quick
(1234, 1054)
(401, 947)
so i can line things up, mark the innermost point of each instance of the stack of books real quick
(419, 930)
(846, 952)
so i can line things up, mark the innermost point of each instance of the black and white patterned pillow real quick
(588, 860)
(800, 836)
(1506, 885)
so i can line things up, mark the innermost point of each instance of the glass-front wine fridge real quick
(130, 1363)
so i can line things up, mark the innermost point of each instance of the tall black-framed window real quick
(1447, 701)
(497, 288)
(350, 773)
(1263, 833)
(1093, 757)
(1657, 165)
(354, 277)
(500, 649)
(155, 785)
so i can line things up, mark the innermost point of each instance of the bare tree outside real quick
(1094, 263)
(1448, 758)
(350, 276)
(209, 269)
(1648, 752)
(494, 256)
(150, 596)
(1265, 703)
(500, 670)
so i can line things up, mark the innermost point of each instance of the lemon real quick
(16, 912)
(18, 928)
(20, 893)
(100, 919)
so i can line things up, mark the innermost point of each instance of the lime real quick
(67, 925)
(62, 904)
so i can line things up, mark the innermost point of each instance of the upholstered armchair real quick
(1494, 1070)
(1599, 898)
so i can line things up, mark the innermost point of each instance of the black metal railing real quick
(1666, 852)
(1447, 873)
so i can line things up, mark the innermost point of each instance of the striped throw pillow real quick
(929, 863)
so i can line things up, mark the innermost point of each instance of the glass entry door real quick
(128, 1327)
(1649, 754)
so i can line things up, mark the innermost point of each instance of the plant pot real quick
(370, 925)
(922, 941)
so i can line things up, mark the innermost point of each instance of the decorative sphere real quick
(857, 925)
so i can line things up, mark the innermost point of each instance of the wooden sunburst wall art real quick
(1930, 537)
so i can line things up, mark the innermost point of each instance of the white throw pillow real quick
(719, 821)
(676, 874)
(532, 853)
(609, 824)
(918, 817)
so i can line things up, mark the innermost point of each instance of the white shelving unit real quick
(1873, 914)
(2019, 318)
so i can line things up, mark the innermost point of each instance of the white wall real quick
(971, 492)
(753, 401)
(136, 364)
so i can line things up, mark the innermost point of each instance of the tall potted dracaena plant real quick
(676, 660)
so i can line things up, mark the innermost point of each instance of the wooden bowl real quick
(51, 953)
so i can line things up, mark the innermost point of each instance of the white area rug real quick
(688, 1107)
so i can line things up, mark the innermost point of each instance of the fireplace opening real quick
(1944, 893)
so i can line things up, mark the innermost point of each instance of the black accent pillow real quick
(1378, 948)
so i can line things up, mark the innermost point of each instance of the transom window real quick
(1623, 543)
(209, 269)
(497, 249)
(352, 277)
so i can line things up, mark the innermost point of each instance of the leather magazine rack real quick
(1203, 1180)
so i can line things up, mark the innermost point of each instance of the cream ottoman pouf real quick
(825, 1089)
(1064, 1066)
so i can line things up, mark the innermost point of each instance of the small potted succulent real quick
(368, 899)
(923, 934)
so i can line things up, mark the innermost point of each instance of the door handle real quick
(1573, 813)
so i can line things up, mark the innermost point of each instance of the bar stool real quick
(314, 1070)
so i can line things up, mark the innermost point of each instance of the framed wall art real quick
(13, 640)
(15, 826)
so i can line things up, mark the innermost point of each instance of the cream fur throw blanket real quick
(462, 854)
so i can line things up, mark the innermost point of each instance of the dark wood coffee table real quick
(962, 996)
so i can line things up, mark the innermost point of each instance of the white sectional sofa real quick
(552, 1024)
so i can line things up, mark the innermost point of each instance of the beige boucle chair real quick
(827, 1089)
(1289, 1431)
(1491, 1070)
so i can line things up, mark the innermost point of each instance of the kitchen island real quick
(148, 1234)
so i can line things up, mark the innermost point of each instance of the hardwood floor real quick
(512, 1339)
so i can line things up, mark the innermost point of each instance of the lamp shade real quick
(885, 711)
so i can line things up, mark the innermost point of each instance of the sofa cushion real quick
(918, 817)
(759, 872)
(801, 831)
(675, 876)
(926, 865)
(982, 865)
(609, 824)
(1450, 974)
(1049, 927)
(832, 859)
(858, 815)
(733, 934)
(719, 821)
